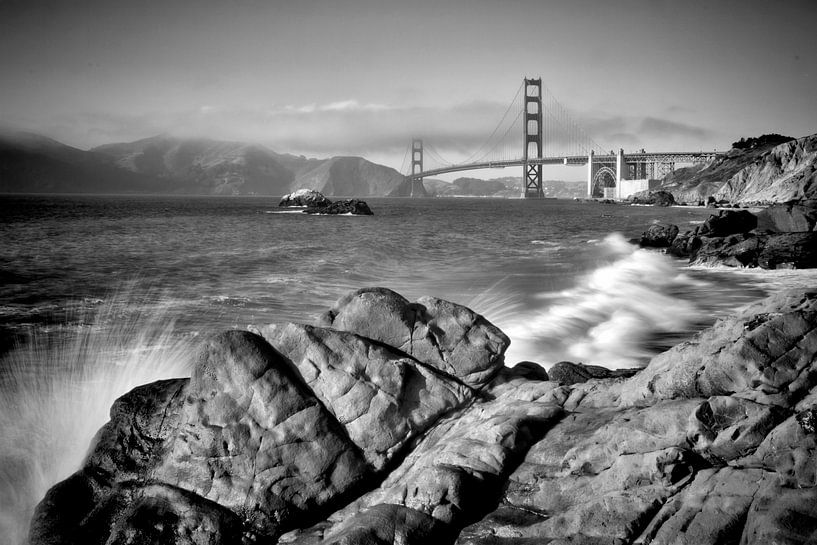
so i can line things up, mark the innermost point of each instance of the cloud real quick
(351, 127)
(665, 128)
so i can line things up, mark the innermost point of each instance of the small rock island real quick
(315, 202)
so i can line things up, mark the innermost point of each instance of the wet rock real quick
(808, 420)
(764, 353)
(383, 398)
(789, 251)
(713, 509)
(685, 244)
(567, 373)
(450, 337)
(796, 216)
(732, 251)
(659, 235)
(349, 206)
(253, 438)
(728, 222)
(335, 437)
(305, 198)
(455, 473)
(656, 198)
(530, 370)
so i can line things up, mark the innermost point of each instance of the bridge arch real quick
(604, 177)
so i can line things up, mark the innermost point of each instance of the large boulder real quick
(310, 435)
(450, 337)
(789, 217)
(305, 198)
(728, 222)
(383, 398)
(656, 198)
(774, 251)
(659, 235)
(254, 438)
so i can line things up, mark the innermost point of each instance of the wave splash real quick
(56, 390)
(618, 315)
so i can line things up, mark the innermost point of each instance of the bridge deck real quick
(578, 160)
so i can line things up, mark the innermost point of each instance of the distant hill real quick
(31, 163)
(767, 169)
(505, 187)
(354, 176)
(164, 164)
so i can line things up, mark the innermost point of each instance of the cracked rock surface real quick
(392, 422)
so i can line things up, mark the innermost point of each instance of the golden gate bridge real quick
(537, 130)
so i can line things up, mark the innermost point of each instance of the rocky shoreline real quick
(782, 236)
(396, 422)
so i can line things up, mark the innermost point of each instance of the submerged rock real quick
(393, 422)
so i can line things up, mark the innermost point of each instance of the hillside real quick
(31, 163)
(509, 187)
(204, 166)
(761, 170)
(347, 176)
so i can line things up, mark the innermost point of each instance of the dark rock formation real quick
(305, 198)
(659, 235)
(656, 198)
(789, 217)
(396, 423)
(731, 239)
(728, 222)
(348, 206)
(568, 373)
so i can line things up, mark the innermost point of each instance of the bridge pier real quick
(416, 167)
(532, 172)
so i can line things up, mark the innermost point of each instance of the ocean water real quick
(99, 294)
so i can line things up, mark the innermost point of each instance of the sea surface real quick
(101, 293)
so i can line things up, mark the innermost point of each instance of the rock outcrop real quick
(392, 422)
(349, 206)
(733, 238)
(315, 202)
(655, 198)
(770, 169)
(305, 198)
(659, 235)
(787, 172)
(791, 217)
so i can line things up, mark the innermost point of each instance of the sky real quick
(362, 77)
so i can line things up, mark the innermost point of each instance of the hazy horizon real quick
(362, 77)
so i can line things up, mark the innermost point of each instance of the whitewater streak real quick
(56, 390)
(615, 315)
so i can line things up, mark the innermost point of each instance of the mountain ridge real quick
(165, 164)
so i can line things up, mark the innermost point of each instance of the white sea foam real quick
(610, 315)
(57, 390)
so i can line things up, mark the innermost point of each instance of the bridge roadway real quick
(578, 160)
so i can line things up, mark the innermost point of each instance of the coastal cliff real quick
(765, 173)
(389, 421)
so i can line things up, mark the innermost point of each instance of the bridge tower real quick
(416, 167)
(532, 172)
